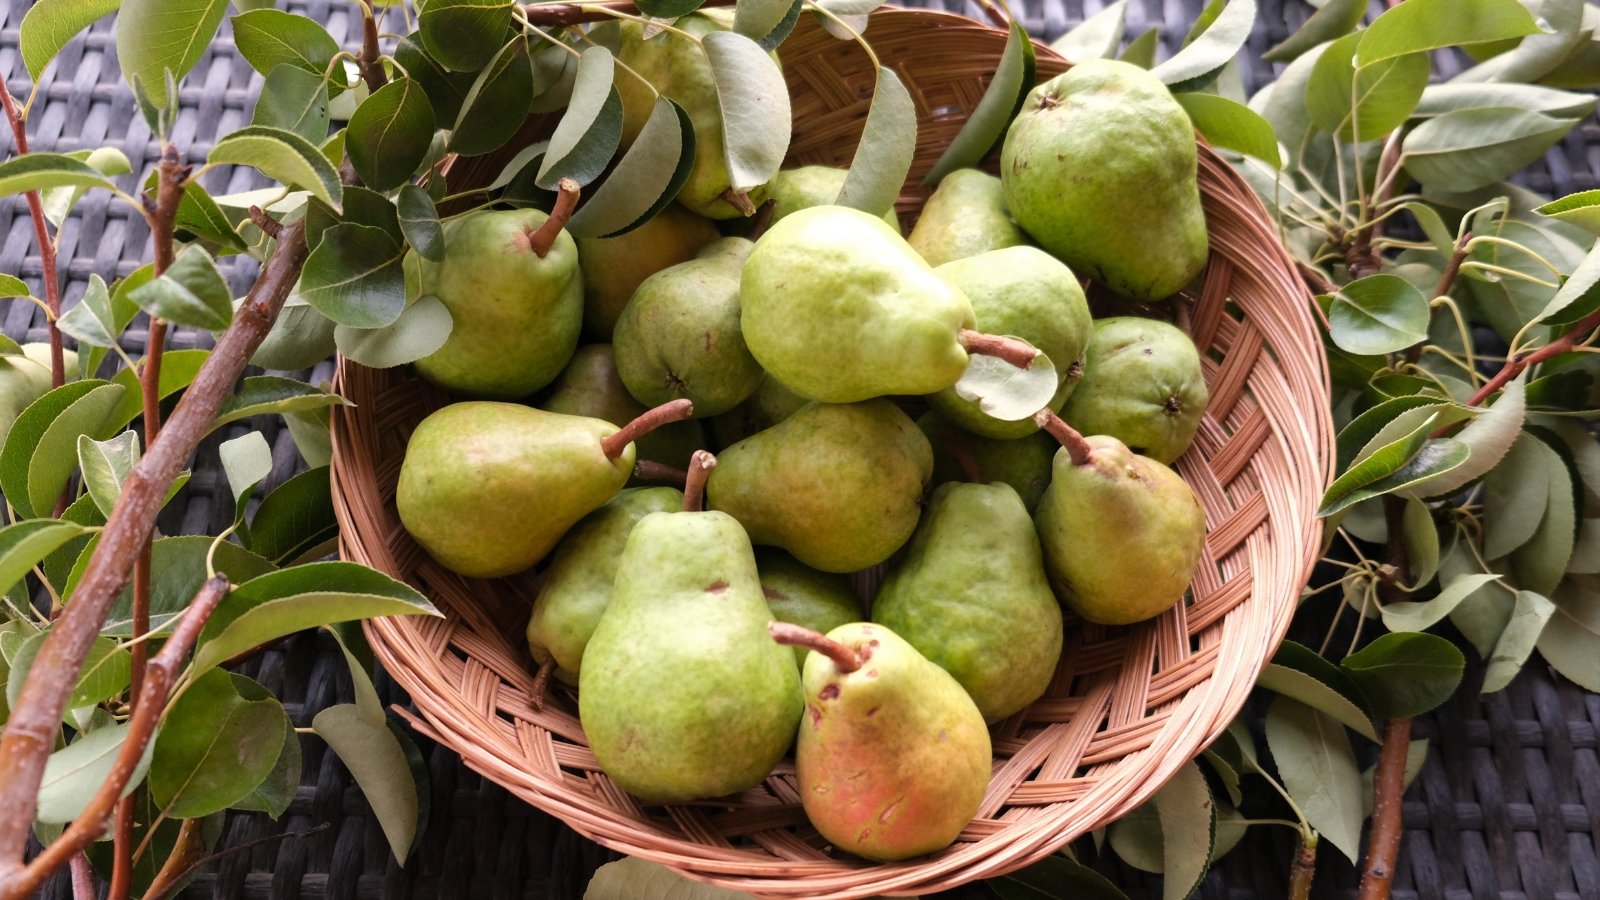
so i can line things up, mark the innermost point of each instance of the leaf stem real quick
(47, 247)
(158, 680)
(613, 444)
(845, 659)
(861, 42)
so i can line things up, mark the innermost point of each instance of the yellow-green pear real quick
(614, 267)
(795, 189)
(966, 215)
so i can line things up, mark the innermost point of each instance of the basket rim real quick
(1170, 748)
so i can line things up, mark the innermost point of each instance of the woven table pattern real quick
(1508, 805)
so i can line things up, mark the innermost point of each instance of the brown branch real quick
(613, 444)
(1019, 353)
(1514, 367)
(187, 851)
(30, 734)
(260, 219)
(369, 64)
(1389, 784)
(1303, 868)
(82, 879)
(694, 486)
(47, 247)
(239, 848)
(91, 823)
(541, 240)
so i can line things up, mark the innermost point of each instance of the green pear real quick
(679, 336)
(589, 386)
(1121, 532)
(614, 267)
(677, 68)
(1143, 385)
(578, 582)
(838, 308)
(966, 215)
(971, 595)
(681, 696)
(892, 758)
(797, 593)
(770, 404)
(516, 310)
(960, 455)
(808, 186)
(1100, 168)
(488, 488)
(1021, 291)
(838, 486)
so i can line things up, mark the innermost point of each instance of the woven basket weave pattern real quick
(1128, 706)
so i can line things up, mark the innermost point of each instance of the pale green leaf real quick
(1528, 620)
(106, 465)
(73, 774)
(90, 320)
(1309, 690)
(1471, 148)
(1378, 314)
(645, 180)
(1318, 769)
(1515, 495)
(1232, 126)
(1365, 103)
(281, 155)
(263, 394)
(40, 453)
(1488, 437)
(1007, 90)
(1006, 392)
(1581, 209)
(378, 760)
(1565, 306)
(754, 100)
(159, 36)
(246, 461)
(1097, 37)
(41, 171)
(1420, 25)
(178, 569)
(419, 222)
(883, 156)
(1188, 831)
(1335, 19)
(1402, 616)
(1540, 563)
(631, 877)
(1218, 44)
(1570, 641)
(24, 544)
(190, 292)
(48, 25)
(1421, 538)
(1438, 99)
(422, 328)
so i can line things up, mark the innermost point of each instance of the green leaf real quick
(1438, 99)
(199, 217)
(24, 544)
(883, 156)
(309, 429)
(381, 765)
(497, 103)
(1051, 878)
(178, 568)
(1577, 296)
(1381, 463)
(281, 155)
(1188, 831)
(1378, 314)
(1366, 103)
(1004, 391)
(90, 320)
(1097, 37)
(190, 292)
(1308, 689)
(48, 25)
(1141, 51)
(1536, 55)
(1581, 209)
(590, 130)
(1571, 640)
(1488, 437)
(264, 394)
(754, 101)
(1420, 25)
(215, 746)
(1334, 20)
(280, 603)
(41, 171)
(58, 202)
(422, 328)
(445, 89)
(73, 774)
(1406, 674)
(179, 369)
(1232, 126)
(105, 672)
(106, 465)
(246, 461)
(1007, 90)
(1528, 620)
(389, 134)
(269, 38)
(296, 522)
(419, 222)
(1471, 148)
(1418, 616)
(274, 794)
(767, 22)
(646, 179)
(159, 36)
(1540, 563)
(294, 100)
(1516, 493)
(354, 276)
(631, 876)
(40, 453)
(463, 35)
(1318, 769)
(1436, 458)
(12, 286)
(1421, 538)
(1213, 48)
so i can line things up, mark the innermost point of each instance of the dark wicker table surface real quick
(1506, 807)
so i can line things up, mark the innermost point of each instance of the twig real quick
(1515, 366)
(239, 848)
(187, 851)
(260, 219)
(47, 247)
(1383, 845)
(82, 878)
(649, 470)
(91, 823)
(368, 64)
(1303, 867)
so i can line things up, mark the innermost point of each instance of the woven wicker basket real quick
(1129, 705)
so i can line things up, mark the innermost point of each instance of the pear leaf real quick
(1005, 391)
(755, 107)
(422, 328)
(888, 142)
(645, 180)
(591, 129)
(1097, 37)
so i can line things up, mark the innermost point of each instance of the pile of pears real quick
(704, 606)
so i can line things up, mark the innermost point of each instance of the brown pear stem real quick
(694, 483)
(542, 240)
(739, 200)
(1077, 447)
(965, 461)
(1018, 353)
(541, 682)
(763, 219)
(648, 421)
(844, 659)
(649, 470)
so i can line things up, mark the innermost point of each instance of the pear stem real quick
(648, 421)
(649, 470)
(844, 659)
(964, 460)
(543, 239)
(694, 482)
(1018, 353)
(763, 220)
(1077, 447)
(739, 200)
(541, 683)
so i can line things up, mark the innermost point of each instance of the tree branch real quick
(29, 736)
(1514, 367)
(371, 69)
(91, 823)
(47, 247)
(1389, 784)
